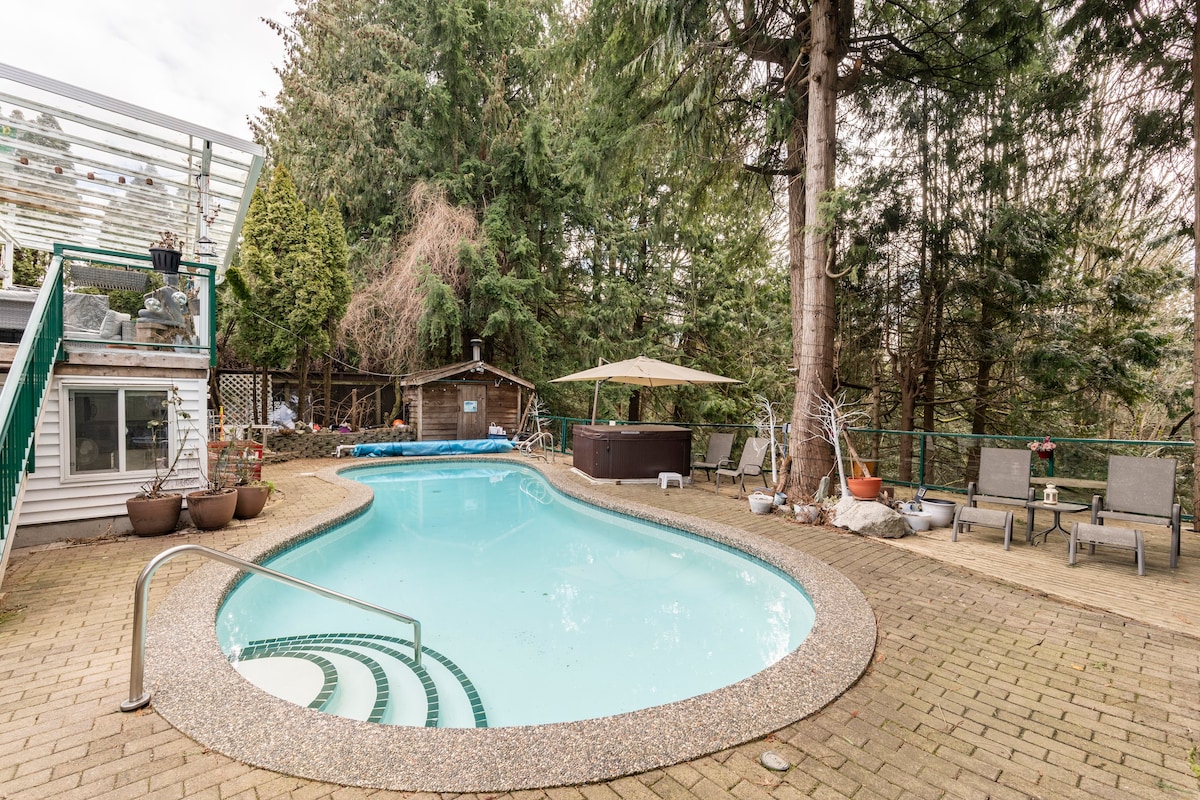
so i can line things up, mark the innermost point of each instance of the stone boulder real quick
(870, 518)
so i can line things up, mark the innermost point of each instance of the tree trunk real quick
(302, 365)
(812, 459)
(1196, 265)
(327, 391)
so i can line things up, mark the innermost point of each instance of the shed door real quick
(472, 411)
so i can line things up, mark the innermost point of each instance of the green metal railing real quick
(949, 461)
(24, 391)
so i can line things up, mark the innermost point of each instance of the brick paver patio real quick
(983, 685)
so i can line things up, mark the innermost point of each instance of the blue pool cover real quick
(449, 447)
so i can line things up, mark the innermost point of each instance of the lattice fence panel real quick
(240, 396)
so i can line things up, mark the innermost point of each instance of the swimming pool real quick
(535, 607)
(200, 693)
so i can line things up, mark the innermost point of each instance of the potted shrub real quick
(213, 507)
(166, 253)
(252, 493)
(154, 510)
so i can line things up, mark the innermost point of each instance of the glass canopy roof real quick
(77, 167)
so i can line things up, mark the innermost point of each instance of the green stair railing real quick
(24, 392)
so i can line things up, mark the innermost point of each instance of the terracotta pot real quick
(864, 488)
(250, 501)
(154, 516)
(212, 511)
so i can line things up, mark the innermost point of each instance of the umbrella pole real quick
(596, 400)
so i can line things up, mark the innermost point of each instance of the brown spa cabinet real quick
(626, 452)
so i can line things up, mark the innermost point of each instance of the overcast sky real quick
(209, 63)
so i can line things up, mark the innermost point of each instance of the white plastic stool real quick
(665, 478)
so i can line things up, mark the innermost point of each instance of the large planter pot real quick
(864, 488)
(941, 512)
(250, 501)
(154, 516)
(212, 511)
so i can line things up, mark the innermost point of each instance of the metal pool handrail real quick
(138, 697)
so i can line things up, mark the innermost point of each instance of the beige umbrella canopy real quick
(643, 372)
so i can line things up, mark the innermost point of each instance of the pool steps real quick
(391, 694)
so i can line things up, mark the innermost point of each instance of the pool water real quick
(535, 607)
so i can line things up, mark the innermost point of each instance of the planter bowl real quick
(154, 516)
(864, 488)
(250, 501)
(212, 511)
(807, 512)
(761, 503)
(941, 511)
(917, 520)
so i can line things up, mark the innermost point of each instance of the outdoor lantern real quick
(1050, 494)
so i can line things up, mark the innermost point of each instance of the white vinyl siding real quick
(54, 494)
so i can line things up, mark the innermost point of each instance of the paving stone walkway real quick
(980, 687)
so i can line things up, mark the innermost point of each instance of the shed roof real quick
(81, 168)
(447, 372)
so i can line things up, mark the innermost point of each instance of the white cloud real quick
(208, 63)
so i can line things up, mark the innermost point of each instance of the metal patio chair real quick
(720, 445)
(1141, 489)
(1004, 480)
(751, 463)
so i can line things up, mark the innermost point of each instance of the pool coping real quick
(197, 690)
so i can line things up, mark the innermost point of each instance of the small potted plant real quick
(166, 253)
(1044, 449)
(155, 510)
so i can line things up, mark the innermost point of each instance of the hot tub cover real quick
(447, 447)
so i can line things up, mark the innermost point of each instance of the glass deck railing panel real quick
(117, 300)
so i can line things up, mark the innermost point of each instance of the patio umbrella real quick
(643, 372)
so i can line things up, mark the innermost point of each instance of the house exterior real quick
(106, 363)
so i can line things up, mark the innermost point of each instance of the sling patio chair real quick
(753, 455)
(720, 445)
(1141, 489)
(1004, 480)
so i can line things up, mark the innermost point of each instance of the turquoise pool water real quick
(535, 607)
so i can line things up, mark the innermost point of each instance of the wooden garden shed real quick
(460, 401)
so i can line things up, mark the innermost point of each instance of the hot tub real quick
(632, 451)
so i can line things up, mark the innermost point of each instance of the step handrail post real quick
(138, 697)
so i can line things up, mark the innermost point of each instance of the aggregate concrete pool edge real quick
(197, 690)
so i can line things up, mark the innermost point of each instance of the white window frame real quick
(67, 437)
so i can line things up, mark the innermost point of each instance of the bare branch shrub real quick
(383, 319)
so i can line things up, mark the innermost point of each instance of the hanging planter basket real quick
(165, 261)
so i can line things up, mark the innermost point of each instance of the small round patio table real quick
(1058, 509)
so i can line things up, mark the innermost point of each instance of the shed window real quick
(111, 430)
